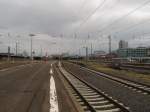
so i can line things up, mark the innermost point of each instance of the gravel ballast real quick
(137, 102)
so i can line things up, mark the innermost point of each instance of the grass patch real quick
(7, 64)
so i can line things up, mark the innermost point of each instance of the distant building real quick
(112, 55)
(99, 53)
(64, 55)
(123, 44)
(134, 52)
(6, 54)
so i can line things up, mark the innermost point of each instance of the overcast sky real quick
(56, 22)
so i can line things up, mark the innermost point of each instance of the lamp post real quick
(18, 43)
(8, 53)
(9, 57)
(109, 44)
(16, 48)
(86, 52)
(31, 46)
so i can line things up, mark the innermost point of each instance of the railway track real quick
(90, 98)
(135, 70)
(135, 86)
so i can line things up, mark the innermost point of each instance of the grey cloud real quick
(63, 17)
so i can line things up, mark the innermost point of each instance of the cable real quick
(82, 5)
(126, 15)
(113, 5)
(132, 26)
(110, 8)
(87, 18)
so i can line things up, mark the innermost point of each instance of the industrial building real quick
(134, 52)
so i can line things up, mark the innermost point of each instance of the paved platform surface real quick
(27, 89)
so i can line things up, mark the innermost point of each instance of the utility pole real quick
(75, 41)
(79, 53)
(41, 52)
(8, 58)
(8, 53)
(109, 44)
(86, 54)
(31, 50)
(31, 35)
(16, 48)
(91, 50)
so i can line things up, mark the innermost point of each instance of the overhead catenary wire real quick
(82, 5)
(126, 15)
(112, 7)
(89, 16)
(144, 35)
(132, 26)
(103, 14)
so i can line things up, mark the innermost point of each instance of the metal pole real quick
(91, 50)
(75, 37)
(41, 52)
(79, 53)
(31, 50)
(8, 53)
(86, 54)
(109, 37)
(16, 48)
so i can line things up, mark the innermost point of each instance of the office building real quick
(134, 52)
(123, 44)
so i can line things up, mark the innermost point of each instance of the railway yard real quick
(75, 56)
(63, 86)
(128, 95)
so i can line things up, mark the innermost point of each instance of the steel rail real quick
(73, 77)
(145, 89)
